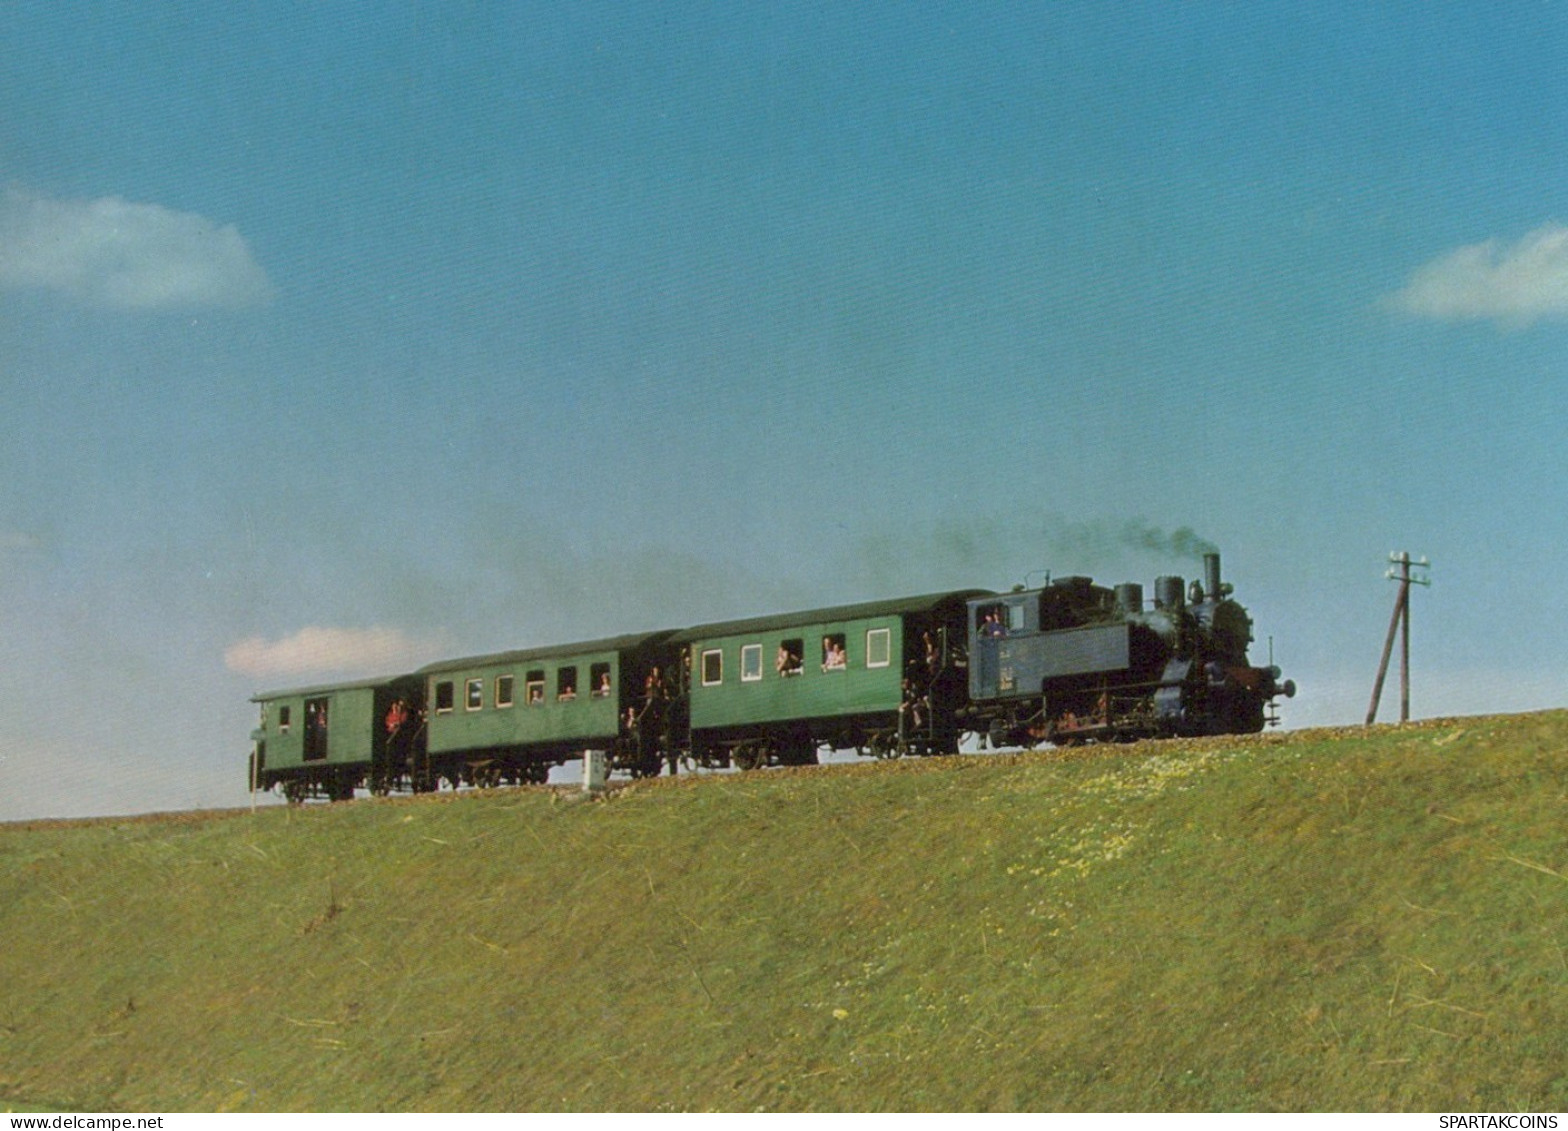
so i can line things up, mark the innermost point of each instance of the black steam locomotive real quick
(1074, 661)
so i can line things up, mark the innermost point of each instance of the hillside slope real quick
(1364, 920)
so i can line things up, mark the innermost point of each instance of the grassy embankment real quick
(1319, 920)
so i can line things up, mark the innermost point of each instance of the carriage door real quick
(315, 748)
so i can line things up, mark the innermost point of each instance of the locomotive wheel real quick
(944, 744)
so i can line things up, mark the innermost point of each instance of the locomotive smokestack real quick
(1211, 574)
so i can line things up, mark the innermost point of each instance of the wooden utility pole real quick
(1399, 621)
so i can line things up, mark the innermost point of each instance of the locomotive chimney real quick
(1211, 575)
(1168, 592)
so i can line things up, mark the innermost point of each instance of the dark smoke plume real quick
(991, 551)
(1101, 540)
(1182, 542)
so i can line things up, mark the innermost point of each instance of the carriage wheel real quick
(645, 765)
(799, 752)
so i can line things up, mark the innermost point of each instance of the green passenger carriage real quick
(327, 740)
(885, 676)
(510, 716)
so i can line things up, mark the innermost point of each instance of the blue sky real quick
(336, 340)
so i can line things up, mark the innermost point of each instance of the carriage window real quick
(566, 684)
(834, 658)
(533, 688)
(879, 647)
(475, 694)
(712, 667)
(788, 661)
(443, 696)
(751, 663)
(503, 691)
(283, 719)
(599, 680)
(315, 729)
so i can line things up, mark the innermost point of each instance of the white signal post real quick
(1400, 620)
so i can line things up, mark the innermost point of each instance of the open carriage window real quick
(566, 684)
(443, 696)
(474, 694)
(283, 719)
(834, 658)
(788, 660)
(533, 687)
(599, 681)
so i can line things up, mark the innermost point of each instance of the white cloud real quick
(366, 651)
(1514, 284)
(110, 252)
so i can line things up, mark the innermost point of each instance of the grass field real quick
(1318, 920)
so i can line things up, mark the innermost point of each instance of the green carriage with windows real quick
(328, 740)
(886, 676)
(508, 717)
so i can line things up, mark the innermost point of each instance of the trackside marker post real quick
(593, 771)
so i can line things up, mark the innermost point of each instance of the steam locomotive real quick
(1066, 663)
(1075, 661)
